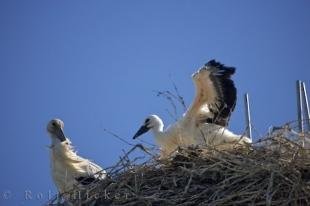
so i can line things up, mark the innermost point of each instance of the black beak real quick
(60, 134)
(141, 131)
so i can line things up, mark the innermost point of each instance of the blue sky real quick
(96, 65)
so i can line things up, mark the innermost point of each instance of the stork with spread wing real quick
(206, 119)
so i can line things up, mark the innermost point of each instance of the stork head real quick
(55, 129)
(151, 122)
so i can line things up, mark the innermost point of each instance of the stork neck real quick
(158, 129)
(64, 151)
(55, 140)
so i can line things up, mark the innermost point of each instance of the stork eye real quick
(54, 123)
(147, 120)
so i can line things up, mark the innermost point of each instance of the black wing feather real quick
(86, 180)
(226, 90)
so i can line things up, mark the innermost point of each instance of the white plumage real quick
(68, 168)
(206, 120)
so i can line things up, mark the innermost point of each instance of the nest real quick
(274, 171)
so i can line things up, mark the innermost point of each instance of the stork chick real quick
(69, 169)
(206, 119)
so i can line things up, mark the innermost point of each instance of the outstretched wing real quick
(215, 94)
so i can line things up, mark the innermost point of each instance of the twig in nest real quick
(118, 137)
(170, 97)
(179, 96)
(188, 183)
(173, 98)
(269, 189)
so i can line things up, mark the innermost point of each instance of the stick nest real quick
(274, 171)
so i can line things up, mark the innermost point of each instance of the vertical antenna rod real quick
(248, 115)
(306, 104)
(299, 106)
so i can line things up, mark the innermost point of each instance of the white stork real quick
(69, 169)
(206, 120)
